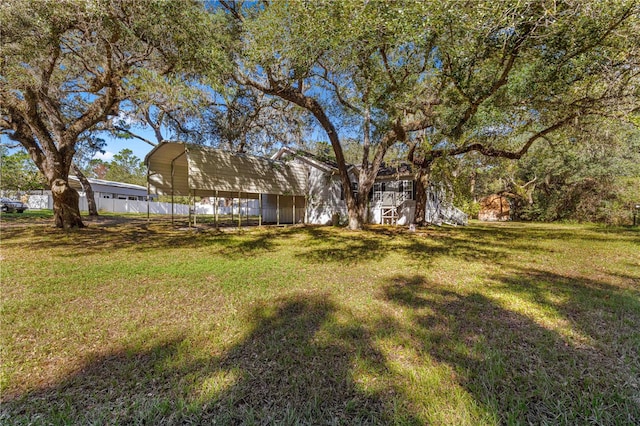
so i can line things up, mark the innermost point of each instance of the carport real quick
(188, 170)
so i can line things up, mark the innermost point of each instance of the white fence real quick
(131, 206)
(39, 202)
(250, 208)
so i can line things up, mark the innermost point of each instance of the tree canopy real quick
(18, 173)
(430, 80)
(446, 78)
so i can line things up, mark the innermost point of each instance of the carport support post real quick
(148, 190)
(172, 186)
(195, 220)
(278, 209)
(189, 211)
(260, 209)
(215, 209)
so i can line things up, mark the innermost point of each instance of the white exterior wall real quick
(324, 197)
(406, 212)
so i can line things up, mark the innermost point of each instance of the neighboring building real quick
(109, 196)
(112, 190)
(291, 187)
(494, 208)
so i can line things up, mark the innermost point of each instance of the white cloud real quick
(107, 156)
(125, 118)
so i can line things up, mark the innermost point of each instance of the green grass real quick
(487, 324)
(27, 215)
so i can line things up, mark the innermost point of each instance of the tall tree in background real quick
(67, 65)
(124, 167)
(170, 105)
(587, 174)
(89, 144)
(17, 172)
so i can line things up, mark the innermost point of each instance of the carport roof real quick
(186, 169)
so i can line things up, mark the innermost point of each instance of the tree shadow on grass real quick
(341, 247)
(136, 236)
(321, 244)
(294, 367)
(326, 244)
(517, 368)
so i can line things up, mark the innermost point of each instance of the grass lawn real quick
(486, 324)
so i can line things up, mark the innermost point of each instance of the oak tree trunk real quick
(66, 211)
(88, 190)
(422, 183)
(358, 214)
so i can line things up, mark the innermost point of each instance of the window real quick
(354, 186)
(378, 189)
(405, 190)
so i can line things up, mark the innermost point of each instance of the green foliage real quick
(448, 77)
(124, 167)
(18, 173)
(590, 172)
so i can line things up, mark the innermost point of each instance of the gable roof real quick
(307, 157)
(402, 169)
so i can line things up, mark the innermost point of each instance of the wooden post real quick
(260, 209)
(278, 209)
(306, 210)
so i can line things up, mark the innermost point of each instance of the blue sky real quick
(114, 145)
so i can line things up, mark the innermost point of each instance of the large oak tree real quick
(446, 78)
(67, 65)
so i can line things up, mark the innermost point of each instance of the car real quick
(8, 205)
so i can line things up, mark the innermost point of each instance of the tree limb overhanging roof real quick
(185, 169)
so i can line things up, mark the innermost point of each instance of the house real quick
(292, 186)
(392, 197)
